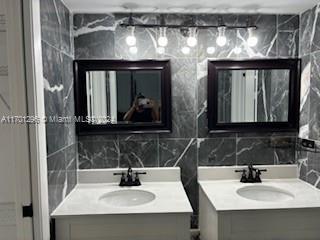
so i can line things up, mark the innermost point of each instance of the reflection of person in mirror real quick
(143, 110)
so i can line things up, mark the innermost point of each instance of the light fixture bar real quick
(138, 25)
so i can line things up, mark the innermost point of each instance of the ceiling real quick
(191, 6)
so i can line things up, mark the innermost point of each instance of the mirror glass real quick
(123, 96)
(260, 95)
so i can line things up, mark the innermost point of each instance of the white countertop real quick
(220, 185)
(223, 194)
(84, 200)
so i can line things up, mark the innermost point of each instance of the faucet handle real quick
(257, 178)
(136, 179)
(244, 178)
(123, 178)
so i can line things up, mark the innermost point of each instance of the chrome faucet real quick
(128, 180)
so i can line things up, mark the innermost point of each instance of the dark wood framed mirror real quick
(253, 95)
(114, 96)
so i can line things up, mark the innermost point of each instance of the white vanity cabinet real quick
(278, 224)
(124, 227)
(226, 215)
(98, 209)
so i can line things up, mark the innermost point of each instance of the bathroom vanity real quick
(281, 207)
(99, 209)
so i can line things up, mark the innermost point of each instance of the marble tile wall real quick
(189, 145)
(58, 55)
(309, 162)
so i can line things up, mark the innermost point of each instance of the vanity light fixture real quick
(252, 39)
(163, 40)
(189, 29)
(211, 50)
(185, 50)
(221, 39)
(131, 39)
(192, 39)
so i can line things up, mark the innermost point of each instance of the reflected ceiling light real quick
(163, 40)
(192, 39)
(237, 50)
(221, 39)
(161, 50)
(133, 50)
(185, 50)
(211, 50)
(131, 39)
(252, 39)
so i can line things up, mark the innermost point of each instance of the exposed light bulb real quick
(161, 50)
(163, 41)
(192, 41)
(133, 50)
(211, 50)
(221, 39)
(131, 40)
(237, 50)
(186, 50)
(252, 39)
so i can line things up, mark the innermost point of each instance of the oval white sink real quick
(264, 193)
(127, 198)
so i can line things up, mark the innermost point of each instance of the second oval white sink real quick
(264, 193)
(127, 198)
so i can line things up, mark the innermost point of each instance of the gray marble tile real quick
(138, 136)
(95, 45)
(98, 138)
(315, 34)
(57, 185)
(314, 121)
(94, 36)
(71, 176)
(279, 96)
(50, 27)
(285, 151)
(288, 44)
(183, 125)
(217, 152)
(56, 161)
(65, 27)
(71, 154)
(182, 153)
(68, 98)
(184, 84)
(288, 22)
(313, 173)
(254, 150)
(137, 153)
(306, 25)
(305, 96)
(53, 94)
(302, 161)
(88, 23)
(104, 154)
